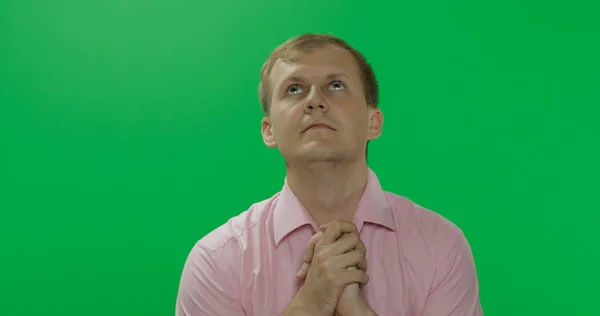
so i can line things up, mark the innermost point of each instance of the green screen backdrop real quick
(129, 129)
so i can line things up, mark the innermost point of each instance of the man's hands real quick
(337, 260)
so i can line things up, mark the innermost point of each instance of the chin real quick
(314, 151)
(320, 154)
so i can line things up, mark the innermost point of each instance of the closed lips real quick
(319, 125)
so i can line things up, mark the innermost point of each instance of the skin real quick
(350, 301)
(326, 169)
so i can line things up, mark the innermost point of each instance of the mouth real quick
(319, 126)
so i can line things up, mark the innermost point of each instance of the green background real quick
(129, 129)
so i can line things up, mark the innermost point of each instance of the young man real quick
(305, 250)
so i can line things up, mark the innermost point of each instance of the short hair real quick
(305, 43)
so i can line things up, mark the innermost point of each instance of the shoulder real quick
(424, 230)
(217, 257)
(408, 212)
(230, 238)
(210, 281)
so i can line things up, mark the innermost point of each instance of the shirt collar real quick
(289, 214)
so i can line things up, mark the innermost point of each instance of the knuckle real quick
(357, 276)
(319, 257)
(330, 277)
(326, 264)
(362, 274)
(360, 242)
(351, 226)
(309, 251)
(336, 224)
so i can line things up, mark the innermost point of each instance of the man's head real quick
(317, 79)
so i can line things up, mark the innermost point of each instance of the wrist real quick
(370, 312)
(298, 310)
(360, 309)
(365, 310)
(301, 305)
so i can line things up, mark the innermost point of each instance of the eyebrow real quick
(328, 77)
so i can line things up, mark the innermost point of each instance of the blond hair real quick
(288, 51)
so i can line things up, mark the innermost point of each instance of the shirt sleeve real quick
(205, 288)
(455, 288)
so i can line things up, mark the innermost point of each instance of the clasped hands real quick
(334, 271)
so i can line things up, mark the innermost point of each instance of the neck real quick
(328, 190)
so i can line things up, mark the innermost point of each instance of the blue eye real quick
(337, 85)
(294, 89)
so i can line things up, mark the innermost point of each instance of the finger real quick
(335, 229)
(364, 281)
(310, 248)
(361, 247)
(354, 276)
(308, 255)
(345, 243)
(362, 264)
(303, 271)
(347, 226)
(349, 259)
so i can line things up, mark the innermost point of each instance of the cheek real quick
(282, 125)
(359, 120)
(289, 115)
(348, 101)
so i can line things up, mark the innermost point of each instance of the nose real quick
(315, 101)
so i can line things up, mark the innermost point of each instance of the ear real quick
(267, 133)
(375, 123)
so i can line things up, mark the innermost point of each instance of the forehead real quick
(316, 63)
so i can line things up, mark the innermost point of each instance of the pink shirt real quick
(420, 264)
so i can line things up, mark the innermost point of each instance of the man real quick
(305, 251)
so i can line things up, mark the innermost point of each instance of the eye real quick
(294, 89)
(337, 85)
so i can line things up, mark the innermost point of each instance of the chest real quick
(272, 282)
